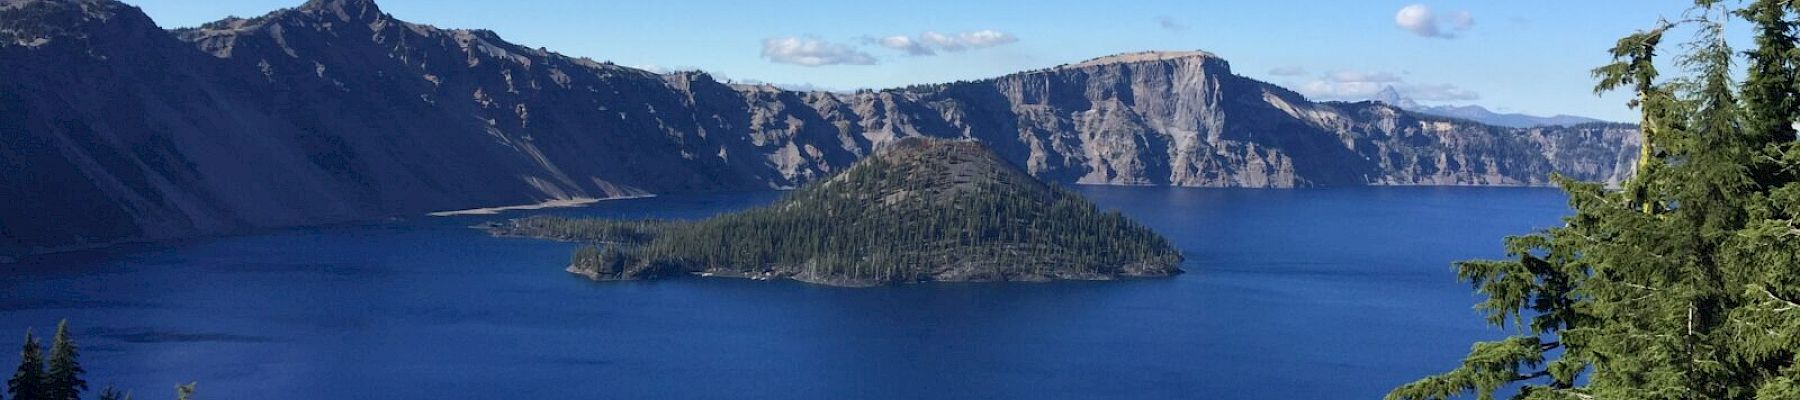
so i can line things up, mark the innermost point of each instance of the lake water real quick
(1301, 294)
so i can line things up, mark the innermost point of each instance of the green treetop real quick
(64, 379)
(1685, 285)
(27, 382)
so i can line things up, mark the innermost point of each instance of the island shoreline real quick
(563, 203)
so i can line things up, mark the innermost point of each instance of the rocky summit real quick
(114, 129)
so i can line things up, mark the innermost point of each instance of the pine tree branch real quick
(1790, 303)
(1534, 375)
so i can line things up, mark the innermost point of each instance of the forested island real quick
(921, 210)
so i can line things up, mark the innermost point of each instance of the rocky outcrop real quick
(113, 129)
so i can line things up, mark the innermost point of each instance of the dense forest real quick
(922, 210)
(1685, 284)
(60, 376)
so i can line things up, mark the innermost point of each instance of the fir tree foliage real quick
(1686, 284)
(64, 380)
(111, 393)
(28, 380)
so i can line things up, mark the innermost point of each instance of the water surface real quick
(1292, 294)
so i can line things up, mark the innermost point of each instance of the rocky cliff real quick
(114, 129)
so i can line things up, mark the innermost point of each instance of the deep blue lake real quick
(1291, 294)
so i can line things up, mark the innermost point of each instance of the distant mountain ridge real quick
(1481, 114)
(113, 129)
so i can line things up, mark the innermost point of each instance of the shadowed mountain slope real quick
(113, 129)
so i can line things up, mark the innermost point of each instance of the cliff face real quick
(113, 129)
(1184, 119)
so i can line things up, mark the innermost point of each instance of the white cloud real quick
(797, 87)
(813, 52)
(1170, 23)
(1364, 85)
(1438, 92)
(906, 44)
(1462, 20)
(1417, 19)
(1421, 20)
(1329, 90)
(653, 68)
(665, 70)
(1362, 76)
(967, 40)
(932, 43)
(1287, 71)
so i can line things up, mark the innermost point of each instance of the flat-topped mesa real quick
(1151, 56)
(922, 210)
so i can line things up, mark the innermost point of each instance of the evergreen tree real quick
(1772, 90)
(1686, 285)
(110, 393)
(186, 392)
(27, 382)
(64, 380)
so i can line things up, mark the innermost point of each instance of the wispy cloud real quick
(791, 86)
(1364, 85)
(813, 52)
(1438, 92)
(1421, 20)
(933, 43)
(1287, 71)
(1351, 76)
(1169, 23)
(665, 70)
(968, 40)
(905, 44)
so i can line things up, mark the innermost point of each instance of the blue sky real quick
(1528, 56)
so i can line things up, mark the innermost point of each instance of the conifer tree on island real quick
(1686, 283)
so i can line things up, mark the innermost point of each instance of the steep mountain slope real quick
(920, 210)
(112, 129)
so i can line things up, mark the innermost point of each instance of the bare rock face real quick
(113, 129)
